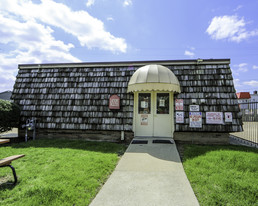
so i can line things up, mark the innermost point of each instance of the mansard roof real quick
(76, 95)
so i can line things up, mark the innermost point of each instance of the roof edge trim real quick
(125, 63)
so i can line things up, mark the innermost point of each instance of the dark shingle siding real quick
(78, 97)
(75, 98)
(214, 83)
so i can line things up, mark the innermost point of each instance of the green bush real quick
(9, 115)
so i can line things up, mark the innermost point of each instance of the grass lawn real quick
(57, 172)
(223, 175)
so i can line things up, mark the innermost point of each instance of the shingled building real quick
(188, 100)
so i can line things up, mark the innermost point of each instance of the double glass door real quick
(153, 114)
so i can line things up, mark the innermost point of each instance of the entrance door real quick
(153, 114)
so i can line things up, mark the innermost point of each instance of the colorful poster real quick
(144, 119)
(195, 119)
(179, 117)
(179, 104)
(228, 117)
(194, 108)
(214, 118)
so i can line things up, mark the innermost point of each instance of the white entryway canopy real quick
(153, 78)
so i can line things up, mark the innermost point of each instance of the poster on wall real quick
(194, 108)
(114, 102)
(179, 104)
(144, 119)
(214, 118)
(228, 117)
(179, 117)
(195, 119)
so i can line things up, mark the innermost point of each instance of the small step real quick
(139, 142)
(162, 141)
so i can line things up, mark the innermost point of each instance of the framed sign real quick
(214, 118)
(179, 117)
(194, 108)
(195, 119)
(228, 116)
(114, 102)
(179, 104)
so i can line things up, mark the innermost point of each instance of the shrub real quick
(9, 115)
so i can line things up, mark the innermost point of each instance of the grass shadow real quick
(103, 147)
(192, 151)
(7, 185)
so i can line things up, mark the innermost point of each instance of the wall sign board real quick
(114, 102)
(214, 118)
(228, 117)
(179, 104)
(195, 119)
(179, 117)
(194, 108)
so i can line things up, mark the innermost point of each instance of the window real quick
(162, 103)
(144, 104)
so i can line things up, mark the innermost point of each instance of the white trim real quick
(131, 63)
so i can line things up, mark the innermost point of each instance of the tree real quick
(9, 115)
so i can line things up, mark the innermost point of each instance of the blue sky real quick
(64, 31)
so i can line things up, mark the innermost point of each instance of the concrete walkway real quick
(147, 174)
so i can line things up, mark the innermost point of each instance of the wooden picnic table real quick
(2, 141)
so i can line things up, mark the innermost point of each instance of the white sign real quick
(195, 119)
(228, 117)
(144, 119)
(179, 117)
(144, 104)
(194, 108)
(179, 104)
(214, 118)
(162, 102)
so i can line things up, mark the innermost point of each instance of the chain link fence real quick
(250, 123)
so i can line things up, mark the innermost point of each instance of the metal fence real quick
(250, 123)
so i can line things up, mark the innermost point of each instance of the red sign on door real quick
(114, 102)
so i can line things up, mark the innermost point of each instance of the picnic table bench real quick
(6, 162)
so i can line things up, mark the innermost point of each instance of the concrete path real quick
(10, 134)
(147, 174)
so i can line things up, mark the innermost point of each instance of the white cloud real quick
(252, 83)
(88, 30)
(189, 53)
(238, 85)
(240, 68)
(27, 35)
(238, 7)
(89, 3)
(30, 42)
(110, 18)
(255, 67)
(232, 28)
(127, 3)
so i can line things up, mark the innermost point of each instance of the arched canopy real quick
(153, 78)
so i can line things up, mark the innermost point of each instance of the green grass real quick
(222, 175)
(57, 172)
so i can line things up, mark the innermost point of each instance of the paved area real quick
(10, 134)
(147, 174)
